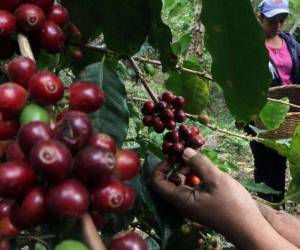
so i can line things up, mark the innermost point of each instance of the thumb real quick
(201, 165)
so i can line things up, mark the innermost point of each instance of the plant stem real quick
(143, 59)
(144, 81)
(24, 46)
(90, 233)
(283, 102)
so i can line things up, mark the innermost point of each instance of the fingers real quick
(160, 183)
(201, 165)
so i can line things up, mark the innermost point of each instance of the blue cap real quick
(270, 8)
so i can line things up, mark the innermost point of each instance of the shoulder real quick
(289, 38)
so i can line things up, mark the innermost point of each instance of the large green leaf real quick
(240, 62)
(193, 88)
(273, 114)
(125, 24)
(113, 117)
(86, 15)
(258, 187)
(160, 36)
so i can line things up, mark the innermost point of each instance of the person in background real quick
(222, 204)
(284, 65)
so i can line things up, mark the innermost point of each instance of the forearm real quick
(259, 236)
(286, 225)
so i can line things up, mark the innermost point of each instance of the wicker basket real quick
(292, 119)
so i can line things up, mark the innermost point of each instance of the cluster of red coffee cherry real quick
(44, 88)
(165, 114)
(42, 21)
(62, 170)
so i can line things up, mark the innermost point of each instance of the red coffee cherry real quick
(158, 125)
(192, 180)
(148, 120)
(168, 97)
(171, 125)
(175, 179)
(93, 163)
(13, 98)
(31, 133)
(30, 17)
(85, 96)
(7, 24)
(128, 164)
(51, 37)
(74, 130)
(166, 147)
(7, 229)
(69, 199)
(148, 108)
(4, 244)
(108, 196)
(51, 159)
(21, 69)
(167, 115)
(172, 136)
(31, 211)
(99, 220)
(14, 153)
(180, 116)
(46, 88)
(59, 15)
(127, 241)
(104, 141)
(16, 178)
(178, 102)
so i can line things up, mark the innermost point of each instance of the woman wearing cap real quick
(284, 65)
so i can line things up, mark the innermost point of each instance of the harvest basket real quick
(292, 119)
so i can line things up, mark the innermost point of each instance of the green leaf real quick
(281, 146)
(213, 156)
(125, 24)
(176, 10)
(240, 63)
(113, 117)
(86, 15)
(47, 62)
(160, 36)
(182, 44)
(88, 57)
(273, 114)
(294, 189)
(294, 153)
(258, 187)
(152, 244)
(193, 88)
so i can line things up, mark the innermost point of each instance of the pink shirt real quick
(283, 61)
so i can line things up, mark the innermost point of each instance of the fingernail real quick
(188, 153)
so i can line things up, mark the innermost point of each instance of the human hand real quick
(220, 203)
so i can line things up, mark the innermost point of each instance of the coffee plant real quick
(67, 171)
